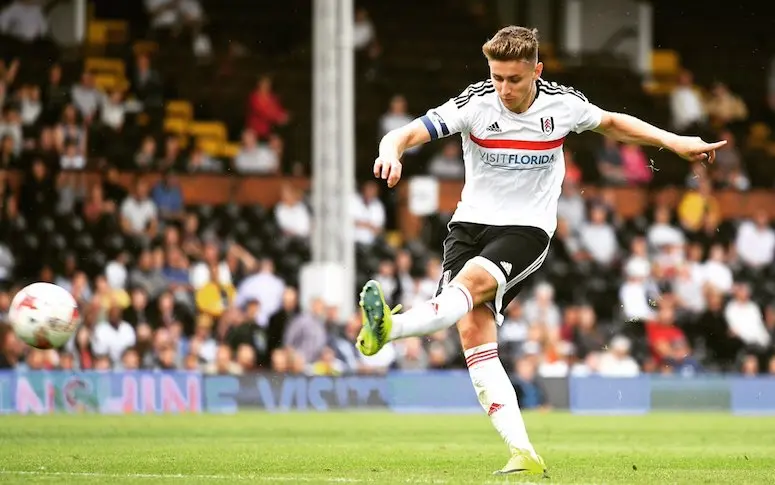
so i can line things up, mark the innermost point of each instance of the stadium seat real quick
(229, 150)
(107, 82)
(208, 129)
(102, 32)
(179, 108)
(146, 47)
(211, 146)
(105, 65)
(177, 126)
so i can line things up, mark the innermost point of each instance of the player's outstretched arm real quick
(393, 145)
(629, 129)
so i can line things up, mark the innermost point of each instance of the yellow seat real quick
(146, 47)
(208, 129)
(108, 82)
(179, 109)
(178, 126)
(105, 65)
(210, 146)
(230, 150)
(665, 63)
(103, 32)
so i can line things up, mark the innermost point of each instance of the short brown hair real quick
(512, 43)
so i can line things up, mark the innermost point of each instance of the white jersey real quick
(514, 163)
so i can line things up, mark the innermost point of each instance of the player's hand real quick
(389, 170)
(694, 149)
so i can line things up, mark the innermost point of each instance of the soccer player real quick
(513, 126)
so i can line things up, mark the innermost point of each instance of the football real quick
(44, 315)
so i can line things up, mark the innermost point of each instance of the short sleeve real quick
(454, 116)
(587, 115)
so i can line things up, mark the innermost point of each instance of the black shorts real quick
(511, 254)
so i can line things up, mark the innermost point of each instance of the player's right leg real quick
(465, 283)
(472, 286)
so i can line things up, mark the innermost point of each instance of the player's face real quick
(515, 82)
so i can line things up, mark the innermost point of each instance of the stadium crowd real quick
(162, 285)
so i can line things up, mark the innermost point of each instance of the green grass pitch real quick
(381, 447)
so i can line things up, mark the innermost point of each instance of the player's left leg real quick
(478, 336)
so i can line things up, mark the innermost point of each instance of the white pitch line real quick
(254, 478)
(179, 476)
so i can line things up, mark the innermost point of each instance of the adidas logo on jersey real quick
(506, 267)
(494, 128)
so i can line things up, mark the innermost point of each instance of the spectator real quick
(139, 215)
(257, 158)
(306, 333)
(598, 238)
(86, 97)
(265, 112)
(755, 242)
(363, 31)
(724, 107)
(113, 336)
(617, 361)
(24, 20)
(697, 204)
(447, 164)
(292, 214)
(369, 214)
(745, 319)
(264, 286)
(686, 106)
(167, 196)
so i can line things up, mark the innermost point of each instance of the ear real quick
(538, 70)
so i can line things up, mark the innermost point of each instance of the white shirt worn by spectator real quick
(24, 21)
(113, 114)
(755, 246)
(745, 319)
(446, 168)
(87, 100)
(573, 210)
(690, 293)
(633, 296)
(372, 213)
(613, 366)
(112, 341)
(260, 159)
(165, 18)
(268, 289)
(294, 219)
(718, 275)
(200, 274)
(30, 111)
(363, 34)
(686, 107)
(546, 315)
(116, 274)
(14, 130)
(75, 162)
(138, 213)
(599, 240)
(7, 262)
(664, 234)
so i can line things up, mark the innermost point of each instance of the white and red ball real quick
(44, 315)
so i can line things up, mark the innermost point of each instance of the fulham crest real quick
(547, 125)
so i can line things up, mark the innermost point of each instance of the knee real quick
(479, 282)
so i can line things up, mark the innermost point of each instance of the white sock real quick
(497, 396)
(442, 312)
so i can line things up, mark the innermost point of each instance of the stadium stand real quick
(123, 179)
